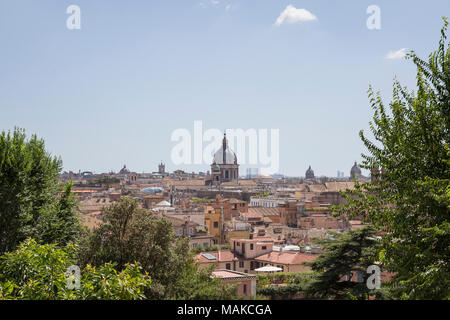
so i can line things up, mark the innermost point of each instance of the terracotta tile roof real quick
(191, 182)
(267, 220)
(226, 274)
(196, 218)
(177, 222)
(93, 204)
(321, 221)
(264, 212)
(252, 214)
(288, 258)
(240, 183)
(221, 256)
(317, 188)
(231, 275)
(336, 186)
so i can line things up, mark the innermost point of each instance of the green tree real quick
(197, 283)
(38, 272)
(344, 254)
(409, 196)
(295, 284)
(60, 224)
(130, 233)
(106, 283)
(30, 202)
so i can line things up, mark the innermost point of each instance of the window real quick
(228, 266)
(238, 244)
(216, 224)
(241, 264)
(244, 289)
(251, 246)
(263, 247)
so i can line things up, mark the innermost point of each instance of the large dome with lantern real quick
(225, 155)
(355, 171)
(224, 167)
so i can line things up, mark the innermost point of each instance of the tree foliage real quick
(283, 292)
(30, 202)
(197, 284)
(344, 254)
(38, 272)
(130, 233)
(287, 284)
(409, 196)
(199, 249)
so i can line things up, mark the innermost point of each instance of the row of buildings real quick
(239, 225)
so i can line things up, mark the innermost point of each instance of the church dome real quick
(355, 171)
(309, 173)
(224, 155)
(124, 170)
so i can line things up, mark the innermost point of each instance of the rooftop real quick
(286, 257)
(230, 275)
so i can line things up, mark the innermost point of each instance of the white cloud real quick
(396, 54)
(209, 3)
(294, 15)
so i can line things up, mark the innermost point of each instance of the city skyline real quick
(243, 174)
(113, 91)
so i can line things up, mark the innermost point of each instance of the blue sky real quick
(112, 92)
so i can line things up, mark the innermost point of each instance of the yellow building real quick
(214, 224)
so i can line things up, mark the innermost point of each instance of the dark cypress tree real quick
(344, 255)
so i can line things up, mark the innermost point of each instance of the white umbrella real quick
(268, 268)
(163, 204)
